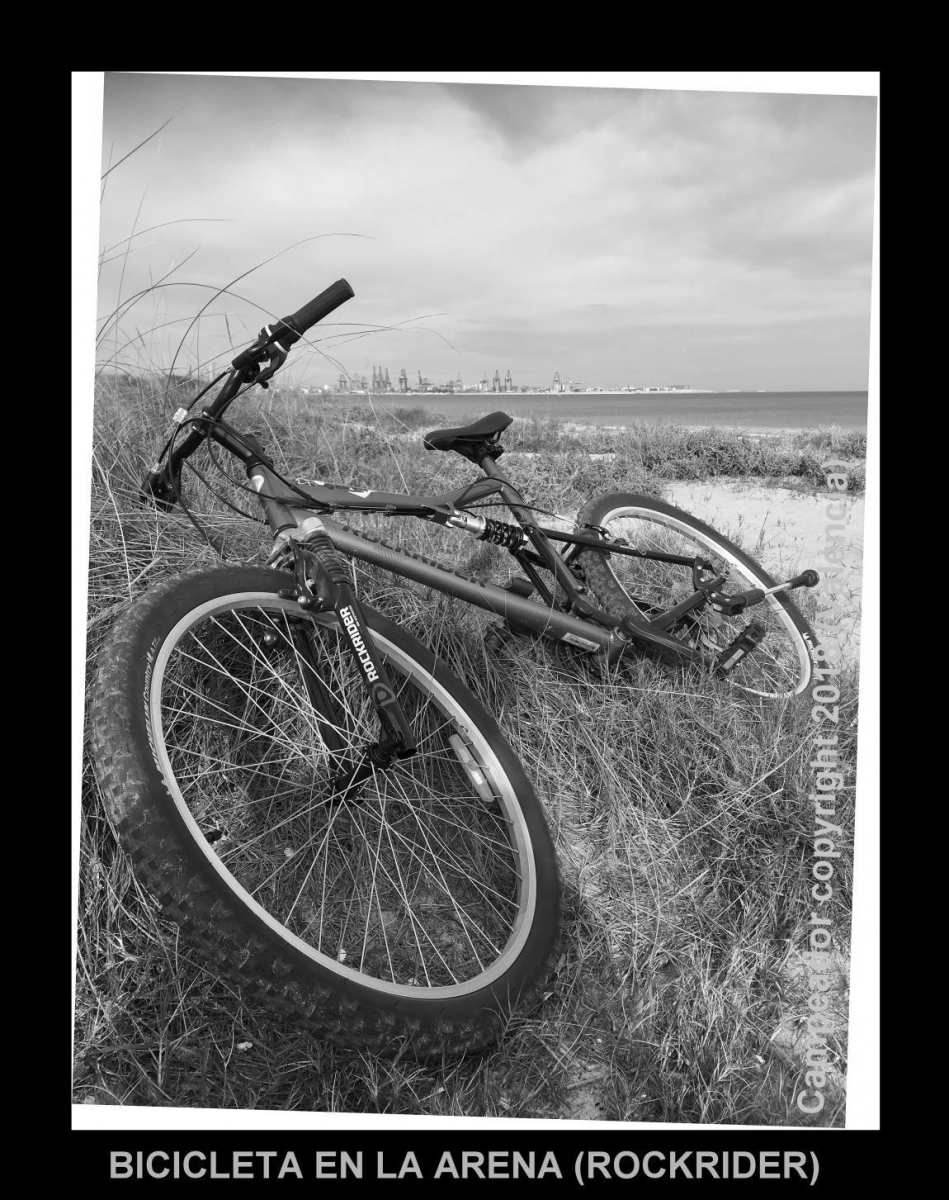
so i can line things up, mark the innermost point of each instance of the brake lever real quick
(247, 362)
(275, 360)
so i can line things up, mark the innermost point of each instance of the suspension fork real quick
(330, 722)
(317, 564)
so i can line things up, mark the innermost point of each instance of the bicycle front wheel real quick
(424, 905)
(782, 664)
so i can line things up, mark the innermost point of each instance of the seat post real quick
(509, 492)
(490, 467)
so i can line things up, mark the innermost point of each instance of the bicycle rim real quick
(424, 884)
(781, 664)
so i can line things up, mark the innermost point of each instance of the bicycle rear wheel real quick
(782, 665)
(425, 905)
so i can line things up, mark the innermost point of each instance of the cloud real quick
(544, 222)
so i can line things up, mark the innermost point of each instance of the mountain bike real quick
(323, 807)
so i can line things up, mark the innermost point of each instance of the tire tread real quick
(210, 924)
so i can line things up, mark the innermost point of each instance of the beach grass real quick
(679, 807)
(667, 451)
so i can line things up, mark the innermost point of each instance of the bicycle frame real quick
(593, 629)
(564, 612)
(573, 618)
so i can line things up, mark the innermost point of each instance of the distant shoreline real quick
(764, 411)
(592, 395)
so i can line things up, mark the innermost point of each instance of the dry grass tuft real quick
(680, 811)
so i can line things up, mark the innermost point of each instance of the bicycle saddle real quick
(449, 439)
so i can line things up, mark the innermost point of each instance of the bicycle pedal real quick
(748, 640)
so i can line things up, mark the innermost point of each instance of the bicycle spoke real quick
(469, 878)
(249, 764)
(414, 879)
(774, 667)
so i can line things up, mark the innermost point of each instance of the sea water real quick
(765, 410)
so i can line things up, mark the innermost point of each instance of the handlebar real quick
(319, 307)
(290, 329)
(160, 484)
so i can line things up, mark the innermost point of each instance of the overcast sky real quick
(618, 236)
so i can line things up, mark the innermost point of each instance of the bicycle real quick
(328, 812)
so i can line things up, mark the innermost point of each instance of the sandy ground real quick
(774, 431)
(787, 530)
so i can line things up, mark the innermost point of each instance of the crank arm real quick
(646, 638)
(730, 605)
(667, 619)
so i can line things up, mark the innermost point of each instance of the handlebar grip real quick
(290, 329)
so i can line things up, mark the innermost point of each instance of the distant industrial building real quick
(380, 379)
(352, 383)
(381, 383)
